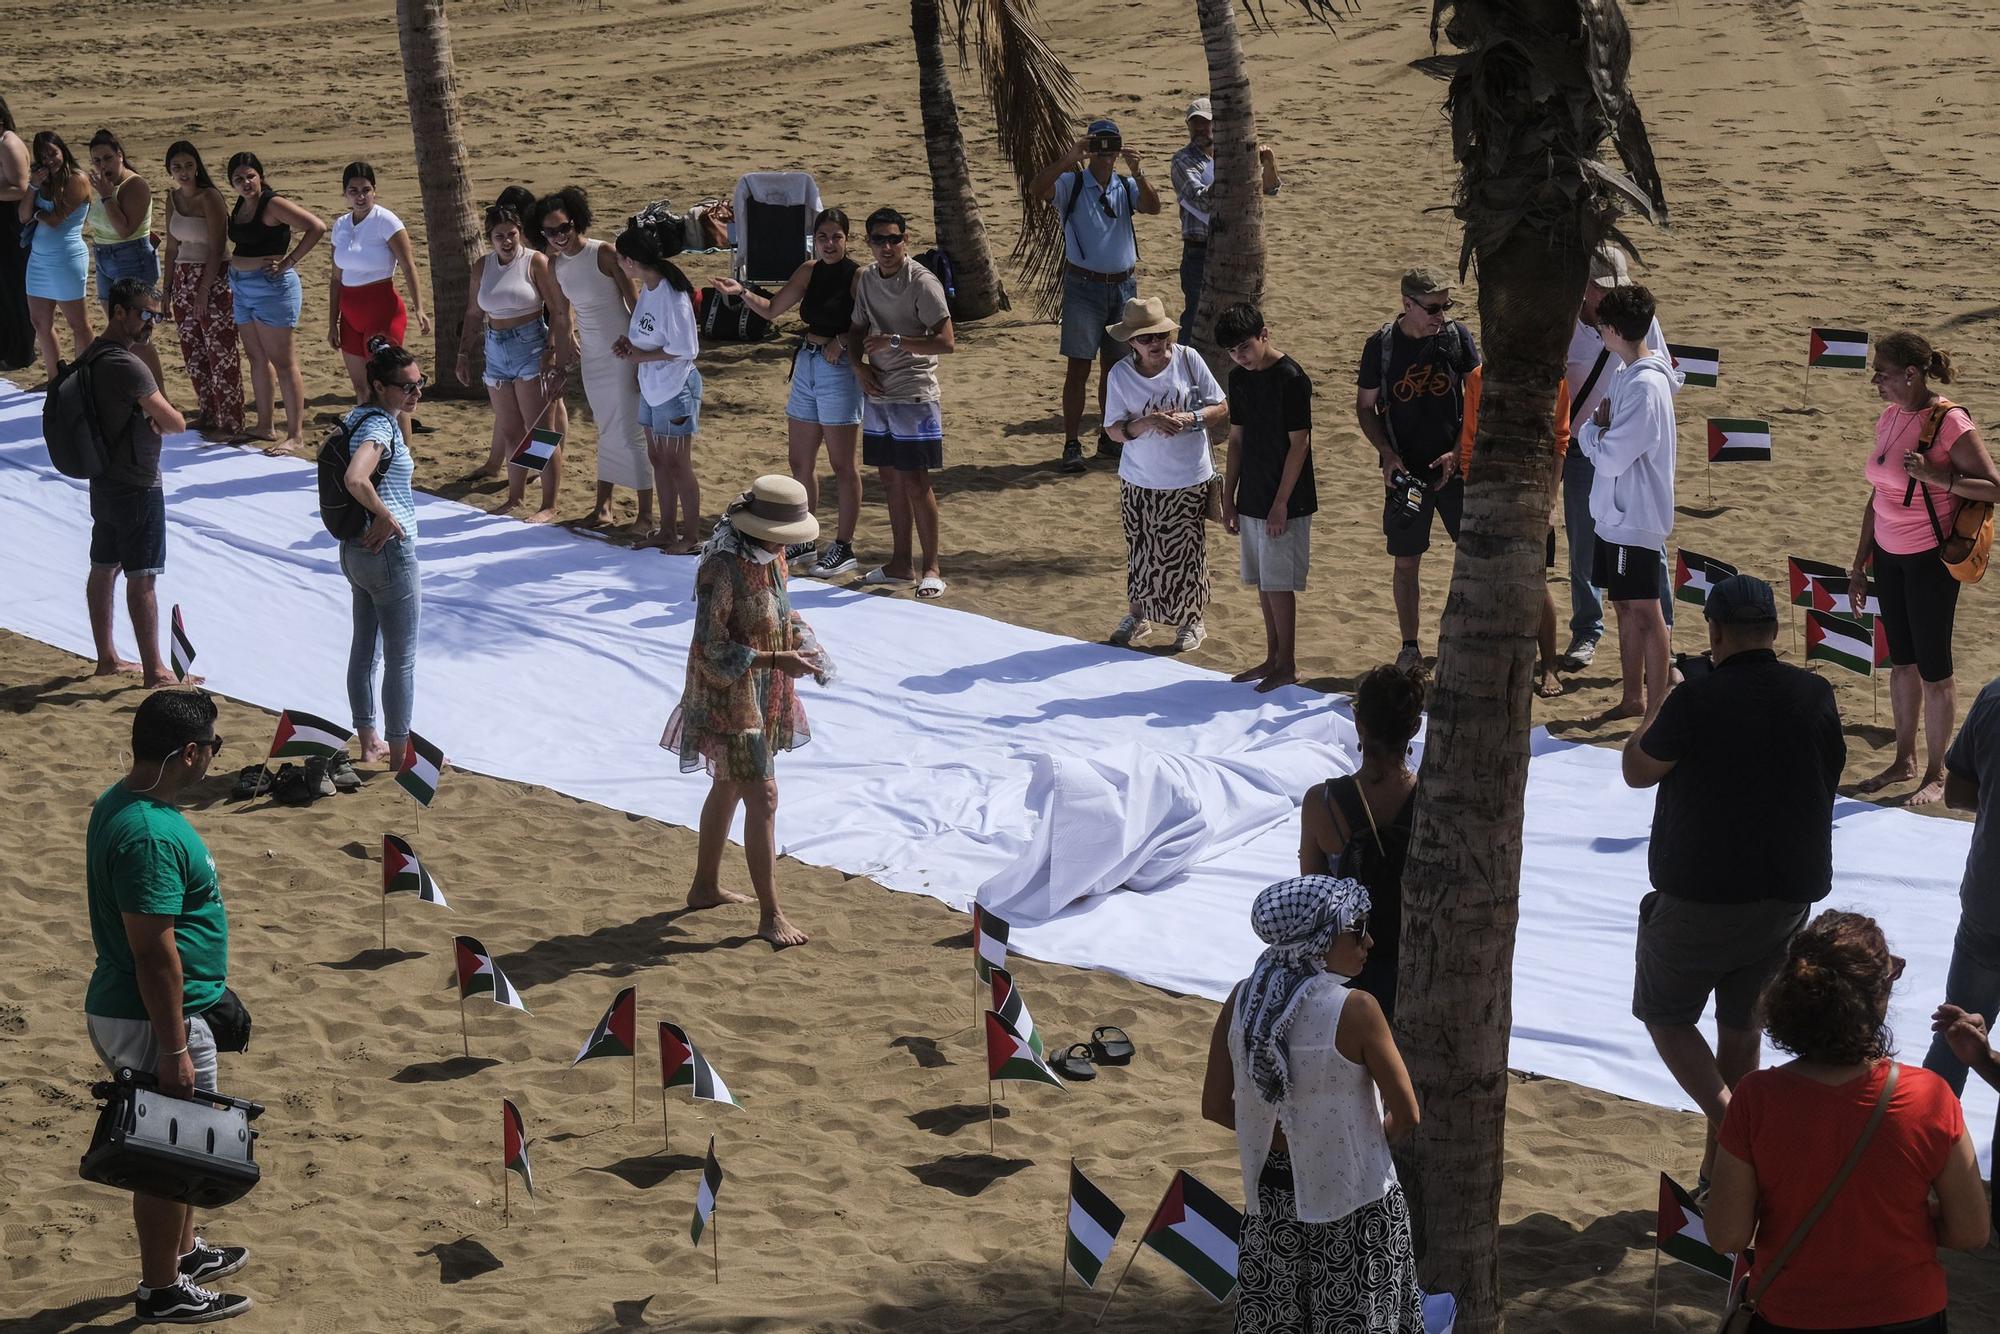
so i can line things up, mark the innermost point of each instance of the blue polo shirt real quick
(1097, 233)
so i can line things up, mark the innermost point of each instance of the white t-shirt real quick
(663, 319)
(361, 250)
(1154, 461)
(1584, 345)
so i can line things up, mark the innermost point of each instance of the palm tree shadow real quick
(462, 1259)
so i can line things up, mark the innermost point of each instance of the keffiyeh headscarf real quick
(1297, 920)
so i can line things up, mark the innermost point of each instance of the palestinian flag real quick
(1839, 640)
(616, 1032)
(1695, 574)
(402, 873)
(681, 1066)
(989, 942)
(536, 451)
(1838, 349)
(1199, 1231)
(1681, 1234)
(705, 1193)
(514, 1144)
(478, 974)
(1013, 1010)
(182, 648)
(422, 771)
(1738, 440)
(1093, 1227)
(1881, 643)
(1008, 1055)
(1701, 365)
(302, 734)
(1804, 574)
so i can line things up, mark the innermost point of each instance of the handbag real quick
(1743, 1302)
(1966, 549)
(228, 1022)
(1211, 508)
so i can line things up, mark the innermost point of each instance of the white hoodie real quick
(1632, 496)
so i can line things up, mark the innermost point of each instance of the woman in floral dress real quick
(740, 705)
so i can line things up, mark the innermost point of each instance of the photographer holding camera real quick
(159, 992)
(1101, 250)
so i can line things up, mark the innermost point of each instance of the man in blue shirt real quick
(1100, 252)
(1192, 173)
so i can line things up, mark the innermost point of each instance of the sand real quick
(1810, 150)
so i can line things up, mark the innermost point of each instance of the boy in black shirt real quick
(1268, 496)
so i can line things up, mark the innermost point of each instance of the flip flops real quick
(1075, 1064)
(879, 577)
(929, 587)
(1110, 1046)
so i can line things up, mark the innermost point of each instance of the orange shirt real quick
(1471, 426)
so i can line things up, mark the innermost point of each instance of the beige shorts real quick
(1276, 564)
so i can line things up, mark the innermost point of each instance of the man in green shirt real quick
(162, 941)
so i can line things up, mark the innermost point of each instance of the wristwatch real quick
(895, 342)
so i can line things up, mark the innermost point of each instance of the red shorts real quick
(371, 309)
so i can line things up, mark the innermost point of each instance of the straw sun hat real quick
(1143, 315)
(774, 509)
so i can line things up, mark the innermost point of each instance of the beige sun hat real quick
(774, 509)
(1143, 315)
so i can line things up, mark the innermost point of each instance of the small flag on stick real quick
(705, 1193)
(1738, 440)
(536, 451)
(1805, 574)
(1682, 1236)
(479, 975)
(1701, 365)
(1840, 640)
(402, 873)
(615, 1032)
(682, 1066)
(989, 942)
(513, 1152)
(1695, 574)
(1094, 1222)
(422, 771)
(1008, 1055)
(1199, 1232)
(303, 734)
(182, 651)
(1013, 1010)
(1837, 349)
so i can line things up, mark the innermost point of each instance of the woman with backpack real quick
(54, 208)
(1358, 825)
(1927, 463)
(264, 286)
(662, 339)
(380, 562)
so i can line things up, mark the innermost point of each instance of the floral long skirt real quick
(1356, 1275)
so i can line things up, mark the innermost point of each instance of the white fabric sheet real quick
(926, 752)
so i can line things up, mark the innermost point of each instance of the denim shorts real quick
(822, 392)
(128, 527)
(678, 417)
(515, 354)
(128, 259)
(1088, 309)
(262, 299)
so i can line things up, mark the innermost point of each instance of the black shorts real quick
(1687, 951)
(1919, 603)
(1410, 534)
(1626, 574)
(128, 528)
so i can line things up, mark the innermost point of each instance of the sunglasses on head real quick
(880, 239)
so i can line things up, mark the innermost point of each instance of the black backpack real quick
(70, 424)
(342, 514)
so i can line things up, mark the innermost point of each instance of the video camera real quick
(1106, 143)
(1407, 492)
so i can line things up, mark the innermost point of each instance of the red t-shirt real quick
(1872, 1257)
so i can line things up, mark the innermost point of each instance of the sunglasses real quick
(1439, 309)
(415, 386)
(150, 317)
(558, 228)
(882, 239)
(1151, 338)
(214, 745)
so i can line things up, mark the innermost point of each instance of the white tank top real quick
(1332, 1116)
(593, 294)
(507, 291)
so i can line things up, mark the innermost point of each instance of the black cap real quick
(1741, 599)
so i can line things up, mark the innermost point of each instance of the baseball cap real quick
(1102, 126)
(1608, 267)
(1424, 282)
(1741, 599)
(1200, 107)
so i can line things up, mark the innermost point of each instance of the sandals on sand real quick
(253, 780)
(879, 577)
(1075, 1063)
(1110, 1046)
(930, 586)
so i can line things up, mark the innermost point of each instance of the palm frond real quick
(1032, 95)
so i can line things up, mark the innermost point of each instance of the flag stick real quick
(385, 919)
(666, 1139)
(506, 1198)
(715, 1236)
(1062, 1255)
(989, 1116)
(1708, 472)
(1875, 689)
(635, 1075)
(1805, 393)
(463, 1040)
(1119, 1284)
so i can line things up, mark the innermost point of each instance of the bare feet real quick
(1895, 773)
(647, 538)
(601, 517)
(543, 516)
(374, 752)
(507, 506)
(778, 929)
(1547, 684)
(167, 680)
(680, 548)
(1932, 791)
(289, 445)
(1276, 679)
(1257, 673)
(117, 667)
(713, 896)
(1618, 712)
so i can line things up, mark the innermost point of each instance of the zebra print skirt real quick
(1356, 1275)
(1166, 551)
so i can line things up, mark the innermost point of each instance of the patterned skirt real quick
(1356, 1275)
(1166, 551)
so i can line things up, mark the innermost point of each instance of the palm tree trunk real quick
(450, 226)
(1236, 202)
(954, 209)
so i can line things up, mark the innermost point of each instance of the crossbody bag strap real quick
(1589, 383)
(1926, 437)
(1797, 1239)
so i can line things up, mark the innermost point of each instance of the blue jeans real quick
(387, 599)
(1194, 268)
(126, 259)
(1586, 608)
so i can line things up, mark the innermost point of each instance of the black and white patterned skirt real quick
(1166, 551)
(1356, 1275)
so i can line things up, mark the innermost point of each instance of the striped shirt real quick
(380, 426)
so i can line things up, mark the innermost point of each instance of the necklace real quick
(1895, 430)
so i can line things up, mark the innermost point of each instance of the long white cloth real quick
(927, 751)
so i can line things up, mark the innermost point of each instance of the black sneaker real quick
(186, 1304)
(206, 1263)
(1107, 448)
(799, 550)
(836, 558)
(1072, 459)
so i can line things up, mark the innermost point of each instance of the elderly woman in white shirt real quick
(1159, 403)
(1301, 1067)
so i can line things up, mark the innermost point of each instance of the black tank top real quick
(828, 306)
(257, 239)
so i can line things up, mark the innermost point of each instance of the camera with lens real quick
(1406, 497)
(1105, 143)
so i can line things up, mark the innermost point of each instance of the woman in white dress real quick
(601, 299)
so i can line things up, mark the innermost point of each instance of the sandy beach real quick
(1823, 168)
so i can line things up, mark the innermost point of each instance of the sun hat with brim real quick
(1143, 315)
(773, 510)
(1424, 282)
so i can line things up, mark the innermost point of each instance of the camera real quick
(1693, 666)
(1105, 143)
(1406, 498)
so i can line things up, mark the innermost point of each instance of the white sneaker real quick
(1190, 636)
(1128, 629)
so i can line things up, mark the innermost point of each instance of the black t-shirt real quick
(120, 380)
(1269, 405)
(1747, 813)
(1425, 395)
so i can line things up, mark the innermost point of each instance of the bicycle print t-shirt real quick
(1425, 400)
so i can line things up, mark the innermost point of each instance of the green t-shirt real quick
(142, 856)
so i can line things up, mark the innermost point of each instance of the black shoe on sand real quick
(186, 1304)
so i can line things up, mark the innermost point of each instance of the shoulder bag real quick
(1742, 1301)
(1965, 549)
